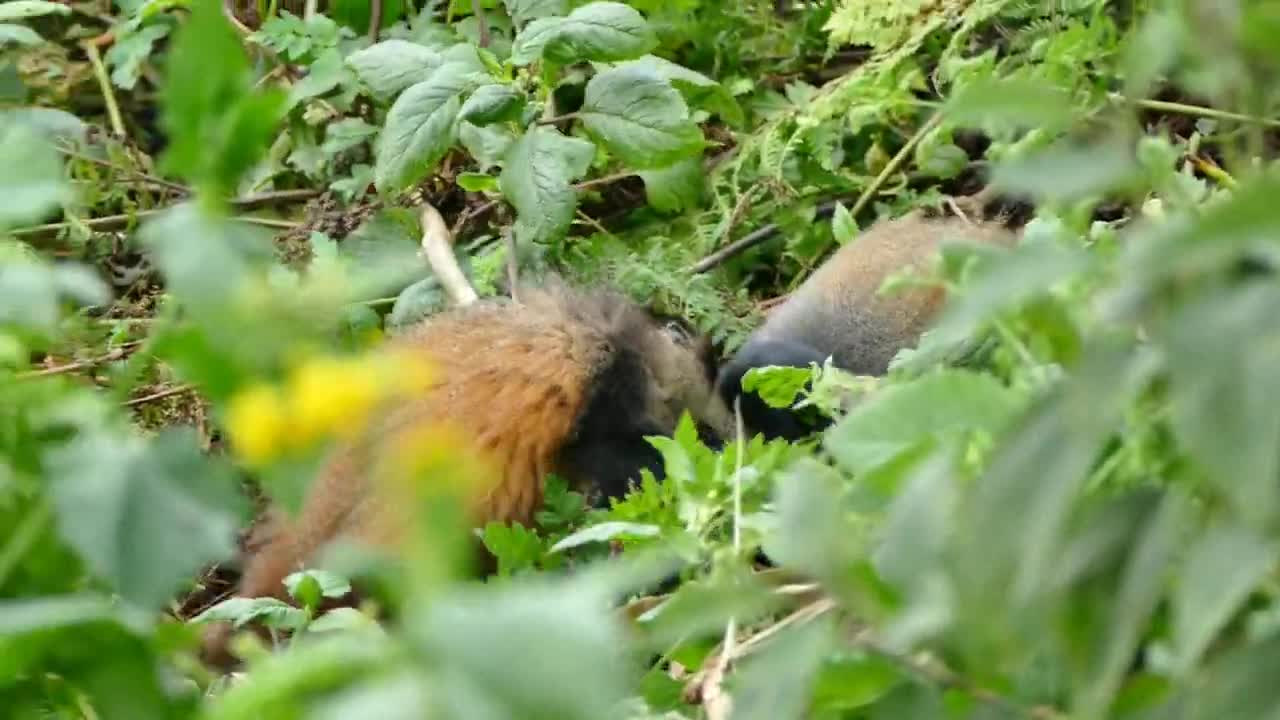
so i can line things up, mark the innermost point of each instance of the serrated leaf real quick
(393, 65)
(321, 584)
(539, 169)
(522, 11)
(492, 103)
(843, 227)
(1066, 172)
(420, 128)
(144, 516)
(130, 51)
(346, 134)
(899, 417)
(1222, 568)
(23, 9)
(675, 188)
(605, 531)
(698, 89)
(598, 31)
(778, 386)
(640, 118)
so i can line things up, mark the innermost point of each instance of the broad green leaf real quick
(698, 89)
(604, 532)
(18, 35)
(488, 145)
(393, 65)
(1067, 172)
(1222, 568)
(677, 187)
(477, 182)
(899, 417)
(1222, 368)
(421, 127)
(343, 619)
(327, 584)
(778, 386)
(562, 636)
(1010, 103)
(32, 181)
(640, 118)
(704, 606)
(539, 169)
(1240, 684)
(28, 615)
(813, 535)
(240, 611)
(52, 123)
(598, 31)
(778, 681)
(514, 546)
(853, 680)
(23, 9)
(145, 516)
(492, 103)
(346, 134)
(420, 300)
(522, 11)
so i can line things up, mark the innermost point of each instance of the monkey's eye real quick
(676, 329)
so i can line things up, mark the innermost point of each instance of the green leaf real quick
(145, 517)
(24, 9)
(677, 187)
(421, 127)
(345, 134)
(316, 584)
(604, 532)
(1065, 172)
(899, 417)
(1012, 104)
(477, 182)
(640, 118)
(18, 35)
(492, 103)
(853, 680)
(778, 681)
(843, 227)
(130, 52)
(598, 31)
(487, 145)
(1222, 568)
(539, 169)
(1222, 400)
(240, 611)
(562, 636)
(778, 386)
(514, 546)
(217, 124)
(698, 89)
(32, 182)
(420, 300)
(522, 11)
(393, 65)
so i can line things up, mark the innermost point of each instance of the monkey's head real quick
(685, 368)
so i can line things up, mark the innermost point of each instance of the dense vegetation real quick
(208, 224)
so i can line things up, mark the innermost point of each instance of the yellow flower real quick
(256, 423)
(331, 396)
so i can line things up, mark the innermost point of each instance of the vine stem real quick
(1195, 110)
(104, 82)
(375, 20)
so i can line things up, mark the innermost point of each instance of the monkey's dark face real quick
(685, 368)
(758, 416)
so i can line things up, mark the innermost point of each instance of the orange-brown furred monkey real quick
(565, 381)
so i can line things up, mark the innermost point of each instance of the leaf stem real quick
(1195, 110)
(559, 118)
(104, 82)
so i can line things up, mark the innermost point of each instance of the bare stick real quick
(437, 247)
(482, 22)
(108, 95)
(375, 20)
(513, 263)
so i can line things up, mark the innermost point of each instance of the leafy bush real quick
(1078, 519)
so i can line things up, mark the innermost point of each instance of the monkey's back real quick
(839, 310)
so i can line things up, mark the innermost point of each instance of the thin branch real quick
(158, 395)
(482, 22)
(160, 182)
(1195, 111)
(604, 180)
(437, 247)
(110, 356)
(375, 20)
(104, 82)
(116, 222)
(559, 118)
(513, 263)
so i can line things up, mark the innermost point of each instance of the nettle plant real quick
(499, 103)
